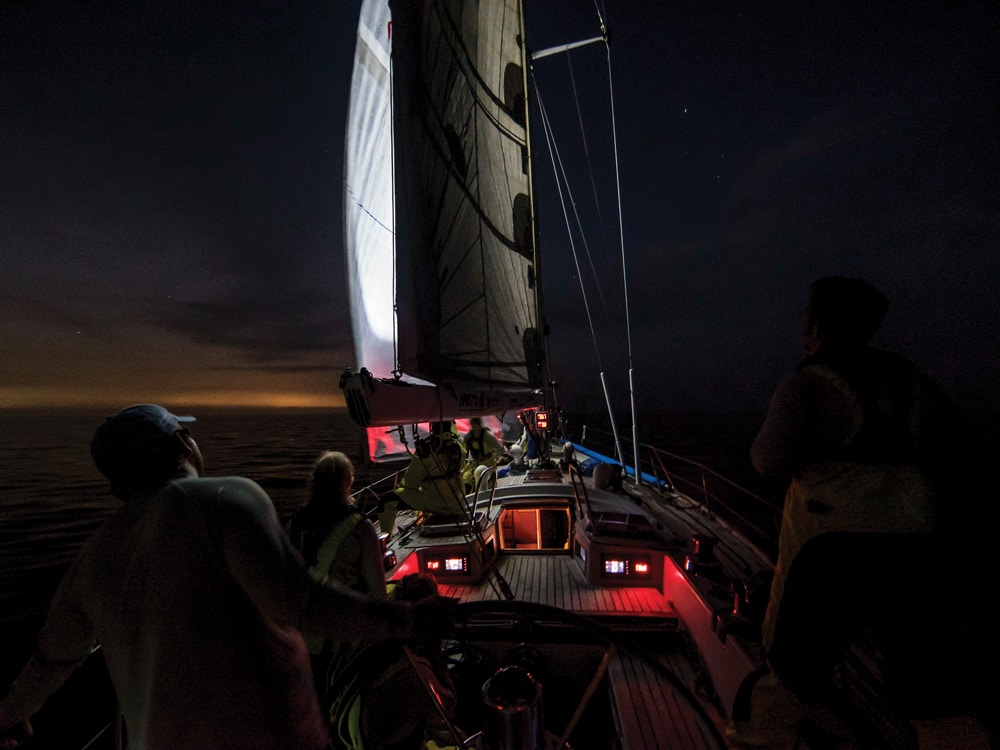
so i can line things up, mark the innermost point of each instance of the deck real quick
(556, 580)
(649, 713)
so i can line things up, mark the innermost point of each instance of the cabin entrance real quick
(527, 529)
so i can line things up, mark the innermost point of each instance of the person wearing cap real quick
(198, 601)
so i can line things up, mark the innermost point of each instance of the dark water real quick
(52, 497)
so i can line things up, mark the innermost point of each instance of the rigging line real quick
(621, 238)
(597, 204)
(583, 239)
(367, 211)
(562, 180)
(583, 138)
(398, 371)
(547, 130)
(553, 154)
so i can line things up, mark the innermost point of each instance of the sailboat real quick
(592, 579)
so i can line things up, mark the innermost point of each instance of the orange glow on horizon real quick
(48, 397)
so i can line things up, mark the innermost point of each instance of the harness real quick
(330, 548)
(883, 384)
(325, 558)
(477, 445)
(444, 455)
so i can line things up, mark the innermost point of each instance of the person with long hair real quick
(338, 544)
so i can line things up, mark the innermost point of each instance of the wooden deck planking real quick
(650, 714)
(555, 581)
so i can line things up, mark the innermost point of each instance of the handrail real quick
(576, 480)
(702, 484)
(491, 472)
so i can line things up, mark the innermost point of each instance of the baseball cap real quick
(133, 435)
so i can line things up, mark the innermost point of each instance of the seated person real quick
(485, 449)
(432, 482)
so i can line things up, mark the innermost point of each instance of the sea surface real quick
(52, 497)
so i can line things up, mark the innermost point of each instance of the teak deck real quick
(557, 581)
(648, 711)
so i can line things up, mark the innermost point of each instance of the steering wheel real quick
(476, 623)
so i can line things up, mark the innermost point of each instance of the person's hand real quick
(15, 736)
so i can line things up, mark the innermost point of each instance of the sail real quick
(368, 219)
(458, 308)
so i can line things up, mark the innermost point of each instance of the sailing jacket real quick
(849, 428)
(433, 480)
(484, 447)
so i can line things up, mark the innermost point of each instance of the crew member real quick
(432, 482)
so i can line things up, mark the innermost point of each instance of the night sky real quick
(170, 196)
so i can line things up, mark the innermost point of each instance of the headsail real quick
(368, 219)
(465, 295)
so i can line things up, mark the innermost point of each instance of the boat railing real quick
(686, 480)
(368, 497)
(489, 478)
(721, 496)
(579, 493)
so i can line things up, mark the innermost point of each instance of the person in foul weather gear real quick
(857, 432)
(485, 449)
(433, 482)
(338, 544)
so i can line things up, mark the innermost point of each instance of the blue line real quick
(629, 471)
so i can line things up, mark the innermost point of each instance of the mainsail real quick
(439, 228)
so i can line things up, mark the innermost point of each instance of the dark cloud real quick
(172, 174)
(773, 145)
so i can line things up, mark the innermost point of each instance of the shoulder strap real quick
(333, 542)
(883, 384)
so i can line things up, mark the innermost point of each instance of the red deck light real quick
(626, 567)
(447, 565)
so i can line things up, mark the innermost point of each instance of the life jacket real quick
(375, 666)
(884, 384)
(327, 555)
(476, 445)
(443, 456)
(334, 541)
(872, 484)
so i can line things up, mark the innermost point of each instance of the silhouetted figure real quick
(859, 433)
(198, 601)
(339, 544)
(484, 449)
